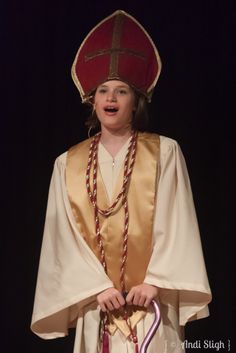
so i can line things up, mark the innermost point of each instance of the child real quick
(121, 228)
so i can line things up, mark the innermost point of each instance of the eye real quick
(122, 91)
(102, 90)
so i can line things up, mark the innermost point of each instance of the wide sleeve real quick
(177, 265)
(69, 274)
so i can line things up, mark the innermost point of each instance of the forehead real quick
(114, 84)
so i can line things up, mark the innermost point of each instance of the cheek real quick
(97, 100)
(132, 103)
(97, 105)
(130, 107)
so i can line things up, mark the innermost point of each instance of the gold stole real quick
(141, 203)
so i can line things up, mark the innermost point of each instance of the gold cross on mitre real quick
(115, 49)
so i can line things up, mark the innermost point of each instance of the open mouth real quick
(111, 109)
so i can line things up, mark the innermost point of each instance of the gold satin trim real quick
(141, 201)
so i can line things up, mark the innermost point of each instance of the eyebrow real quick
(120, 86)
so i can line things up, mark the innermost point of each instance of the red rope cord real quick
(122, 195)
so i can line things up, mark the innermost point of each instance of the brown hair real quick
(140, 117)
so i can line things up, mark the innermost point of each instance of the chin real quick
(113, 127)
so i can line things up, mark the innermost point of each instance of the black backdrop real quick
(42, 116)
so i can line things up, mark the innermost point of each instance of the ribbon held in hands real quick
(153, 328)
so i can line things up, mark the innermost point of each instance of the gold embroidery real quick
(117, 32)
(116, 51)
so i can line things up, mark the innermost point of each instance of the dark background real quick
(41, 117)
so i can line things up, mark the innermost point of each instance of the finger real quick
(129, 298)
(136, 298)
(120, 299)
(109, 306)
(142, 300)
(116, 303)
(103, 307)
(147, 302)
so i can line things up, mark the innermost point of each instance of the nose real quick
(111, 96)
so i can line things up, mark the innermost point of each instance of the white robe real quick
(70, 276)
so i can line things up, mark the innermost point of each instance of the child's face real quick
(114, 104)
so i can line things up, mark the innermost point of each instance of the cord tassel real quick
(135, 341)
(105, 342)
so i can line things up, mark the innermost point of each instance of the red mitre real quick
(118, 48)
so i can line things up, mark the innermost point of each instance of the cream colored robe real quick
(70, 276)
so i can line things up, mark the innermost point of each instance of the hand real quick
(142, 295)
(110, 299)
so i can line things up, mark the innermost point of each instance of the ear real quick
(136, 101)
(94, 108)
(92, 98)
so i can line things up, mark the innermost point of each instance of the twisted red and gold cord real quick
(122, 195)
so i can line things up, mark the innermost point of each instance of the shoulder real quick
(80, 148)
(60, 161)
(62, 158)
(171, 152)
(168, 144)
(148, 136)
(165, 142)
